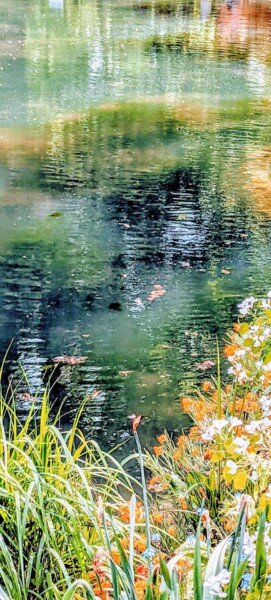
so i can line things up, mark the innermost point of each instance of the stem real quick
(145, 501)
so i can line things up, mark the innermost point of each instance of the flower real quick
(158, 450)
(230, 350)
(240, 444)
(177, 454)
(234, 422)
(155, 537)
(246, 306)
(149, 552)
(215, 428)
(232, 467)
(206, 386)
(245, 582)
(140, 543)
(181, 442)
(162, 438)
(157, 518)
(124, 512)
(214, 583)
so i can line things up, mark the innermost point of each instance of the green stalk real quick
(146, 507)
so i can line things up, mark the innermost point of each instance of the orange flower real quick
(206, 386)
(171, 531)
(186, 404)
(236, 327)
(183, 504)
(228, 388)
(208, 454)
(177, 454)
(158, 450)
(101, 589)
(181, 442)
(142, 571)
(230, 349)
(194, 433)
(140, 543)
(162, 438)
(195, 452)
(157, 518)
(124, 512)
(200, 410)
(115, 556)
(182, 566)
(140, 587)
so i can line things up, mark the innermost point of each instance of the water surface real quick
(134, 151)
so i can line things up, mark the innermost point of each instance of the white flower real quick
(240, 444)
(268, 294)
(232, 466)
(265, 304)
(252, 427)
(234, 422)
(214, 583)
(242, 377)
(246, 305)
(249, 548)
(216, 427)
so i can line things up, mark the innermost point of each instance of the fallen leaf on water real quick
(95, 393)
(207, 364)
(70, 360)
(186, 264)
(138, 301)
(225, 272)
(125, 373)
(157, 292)
(57, 213)
(85, 335)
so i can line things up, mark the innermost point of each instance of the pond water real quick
(135, 147)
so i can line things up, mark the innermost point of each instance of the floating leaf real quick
(70, 360)
(57, 213)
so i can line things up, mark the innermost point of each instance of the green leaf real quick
(214, 566)
(197, 576)
(165, 573)
(267, 358)
(243, 328)
(261, 562)
(148, 595)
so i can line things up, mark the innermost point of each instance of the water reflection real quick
(135, 153)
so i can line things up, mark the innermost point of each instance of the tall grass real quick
(55, 489)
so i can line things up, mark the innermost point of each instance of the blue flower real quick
(155, 537)
(149, 553)
(191, 538)
(245, 582)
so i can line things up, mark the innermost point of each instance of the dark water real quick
(134, 151)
